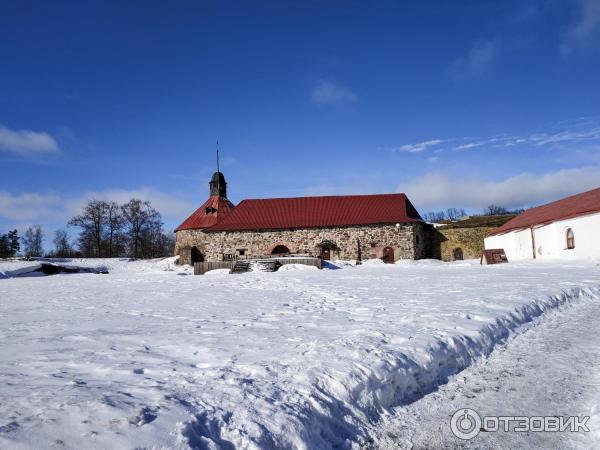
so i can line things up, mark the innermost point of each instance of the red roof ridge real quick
(584, 203)
(326, 196)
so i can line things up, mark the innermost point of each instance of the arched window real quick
(280, 250)
(570, 238)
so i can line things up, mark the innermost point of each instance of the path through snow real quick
(551, 369)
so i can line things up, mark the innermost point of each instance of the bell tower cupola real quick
(217, 184)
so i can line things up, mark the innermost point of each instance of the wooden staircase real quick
(261, 265)
(241, 266)
(265, 265)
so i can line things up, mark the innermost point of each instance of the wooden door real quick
(457, 254)
(326, 254)
(388, 255)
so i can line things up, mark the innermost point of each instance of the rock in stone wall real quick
(408, 241)
(468, 240)
(185, 240)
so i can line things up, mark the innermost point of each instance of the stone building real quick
(464, 239)
(353, 227)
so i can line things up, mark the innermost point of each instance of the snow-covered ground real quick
(148, 357)
(552, 368)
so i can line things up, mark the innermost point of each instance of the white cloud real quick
(575, 136)
(34, 207)
(477, 63)
(438, 190)
(26, 142)
(30, 207)
(419, 146)
(328, 93)
(583, 34)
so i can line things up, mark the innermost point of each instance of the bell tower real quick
(218, 185)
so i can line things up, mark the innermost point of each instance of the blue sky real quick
(457, 104)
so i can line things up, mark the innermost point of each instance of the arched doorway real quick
(388, 255)
(280, 250)
(327, 249)
(457, 254)
(196, 255)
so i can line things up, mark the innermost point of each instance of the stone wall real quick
(446, 241)
(185, 240)
(409, 241)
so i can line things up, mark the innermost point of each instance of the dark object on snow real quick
(53, 269)
(494, 256)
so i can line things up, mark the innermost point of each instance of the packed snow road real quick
(551, 369)
(148, 357)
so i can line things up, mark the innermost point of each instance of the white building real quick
(564, 229)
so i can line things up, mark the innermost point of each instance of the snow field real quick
(291, 359)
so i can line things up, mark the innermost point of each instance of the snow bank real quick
(16, 268)
(295, 267)
(218, 272)
(300, 359)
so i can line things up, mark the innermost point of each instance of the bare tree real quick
(92, 222)
(141, 222)
(114, 223)
(33, 240)
(495, 210)
(435, 216)
(454, 214)
(62, 246)
(110, 229)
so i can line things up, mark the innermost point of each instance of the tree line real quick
(105, 229)
(454, 214)
(9, 244)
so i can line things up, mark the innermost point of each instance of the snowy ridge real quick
(342, 412)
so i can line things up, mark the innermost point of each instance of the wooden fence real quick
(307, 261)
(200, 268)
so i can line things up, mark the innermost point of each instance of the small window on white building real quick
(570, 239)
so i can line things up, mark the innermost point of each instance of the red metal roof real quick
(576, 205)
(311, 212)
(202, 219)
